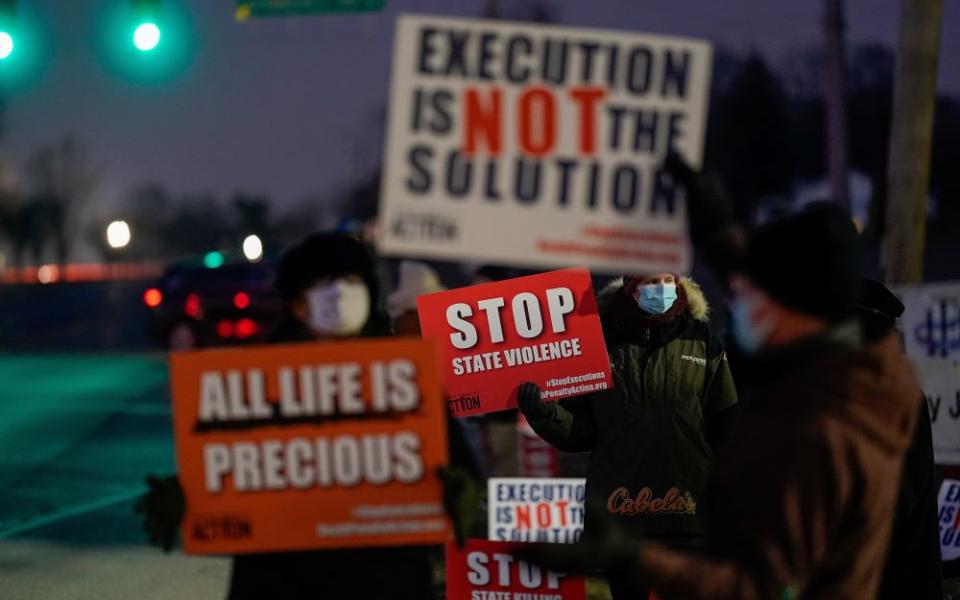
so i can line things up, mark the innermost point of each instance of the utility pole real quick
(911, 135)
(834, 99)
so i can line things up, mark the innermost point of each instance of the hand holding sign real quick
(543, 329)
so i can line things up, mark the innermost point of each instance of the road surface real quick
(77, 435)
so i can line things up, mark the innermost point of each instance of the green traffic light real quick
(146, 36)
(213, 260)
(6, 45)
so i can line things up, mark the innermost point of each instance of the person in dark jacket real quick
(913, 564)
(803, 491)
(330, 285)
(651, 437)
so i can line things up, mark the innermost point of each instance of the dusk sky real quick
(288, 107)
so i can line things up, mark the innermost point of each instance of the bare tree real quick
(63, 178)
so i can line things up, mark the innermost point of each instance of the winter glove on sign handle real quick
(531, 404)
(162, 509)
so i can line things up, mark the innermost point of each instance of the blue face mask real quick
(749, 337)
(656, 298)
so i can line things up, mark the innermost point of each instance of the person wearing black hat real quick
(802, 494)
(913, 568)
(331, 290)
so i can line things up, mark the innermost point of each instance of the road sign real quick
(288, 8)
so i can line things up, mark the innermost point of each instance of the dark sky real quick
(289, 107)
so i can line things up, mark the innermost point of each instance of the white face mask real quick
(749, 334)
(338, 308)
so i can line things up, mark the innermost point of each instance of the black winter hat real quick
(326, 254)
(809, 261)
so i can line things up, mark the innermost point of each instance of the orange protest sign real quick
(307, 446)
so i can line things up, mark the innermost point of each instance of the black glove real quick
(530, 403)
(708, 206)
(608, 549)
(162, 508)
(461, 500)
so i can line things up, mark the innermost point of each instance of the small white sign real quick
(536, 510)
(949, 505)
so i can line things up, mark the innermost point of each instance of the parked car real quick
(195, 305)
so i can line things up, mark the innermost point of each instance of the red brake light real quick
(241, 300)
(152, 297)
(225, 329)
(245, 328)
(192, 306)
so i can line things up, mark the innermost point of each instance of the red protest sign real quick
(484, 570)
(303, 446)
(495, 336)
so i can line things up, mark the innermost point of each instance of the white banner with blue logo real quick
(941, 387)
(931, 321)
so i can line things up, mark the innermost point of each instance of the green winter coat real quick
(648, 436)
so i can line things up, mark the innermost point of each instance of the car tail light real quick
(192, 306)
(241, 300)
(152, 297)
(225, 329)
(245, 328)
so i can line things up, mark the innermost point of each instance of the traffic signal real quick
(146, 26)
(8, 28)
(145, 42)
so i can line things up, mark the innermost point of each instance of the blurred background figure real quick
(416, 279)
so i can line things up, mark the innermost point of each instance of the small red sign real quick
(484, 570)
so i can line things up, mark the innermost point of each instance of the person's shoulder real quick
(701, 330)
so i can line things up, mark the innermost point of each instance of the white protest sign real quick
(940, 380)
(540, 146)
(948, 504)
(535, 510)
(931, 320)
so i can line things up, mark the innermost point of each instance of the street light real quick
(6, 45)
(146, 36)
(118, 234)
(253, 248)
(8, 28)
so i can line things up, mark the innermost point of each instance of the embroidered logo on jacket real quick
(694, 359)
(620, 503)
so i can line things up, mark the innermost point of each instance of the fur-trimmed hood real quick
(697, 306)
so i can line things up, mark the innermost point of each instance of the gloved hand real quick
(608, 549)
(162, 509)
(531, 404)
(709, 209)
(461, 500)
